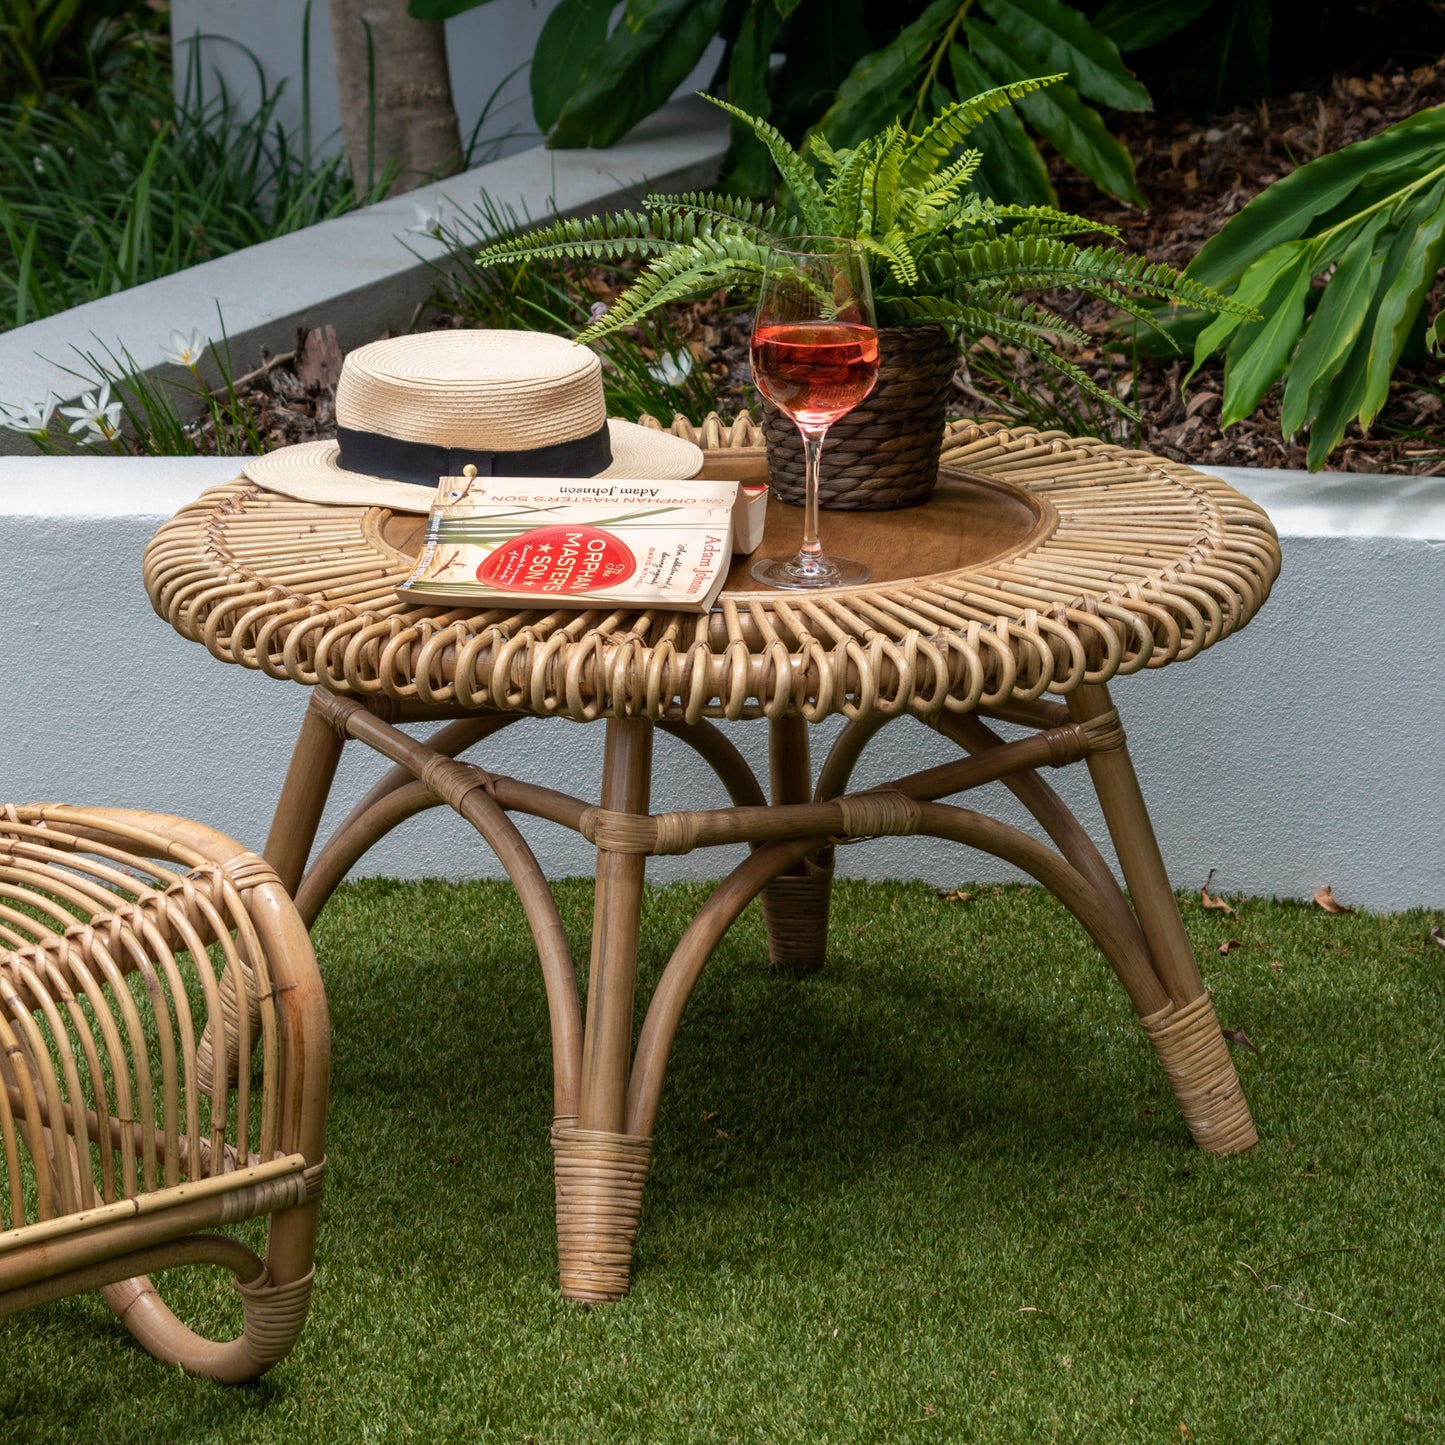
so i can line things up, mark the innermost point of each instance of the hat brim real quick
(309, 470)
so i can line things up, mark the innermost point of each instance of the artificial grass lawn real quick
(940, 1191)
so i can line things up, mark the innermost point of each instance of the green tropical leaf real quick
(1340, 405)
(879, 85)
(1435, 334)
(636, 71)
(1233, 46)
(745, 167)
(1074, 129)
(1254, 287)
(1331, 331)
(1373, 213)
(571, 35)
(1138, 24)
(1408, 273)
(441, 9)
(1296, 205)
(1260, 350)
(1056, 37)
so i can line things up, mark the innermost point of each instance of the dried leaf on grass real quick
(957, 895)
(1230, 944)
(1240, 1040)
(1210, 901)
(1326, 900)
(1438, 937)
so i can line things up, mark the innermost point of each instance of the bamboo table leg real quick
(795, 905)
(600, 1170)
(303, 795)
(1185, 1035)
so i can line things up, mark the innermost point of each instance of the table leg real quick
(599, 1170)
(303, 795)
(795, 904)
(1185, 1035)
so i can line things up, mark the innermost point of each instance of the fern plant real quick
(938, 253)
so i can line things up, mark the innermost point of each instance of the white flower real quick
(185, 350)
(428, 220)
(30, 416)
(95, 414)
(672, 370)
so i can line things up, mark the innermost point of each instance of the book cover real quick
(583, 542)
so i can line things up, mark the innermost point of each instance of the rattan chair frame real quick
(147, 963)
(1133, 563)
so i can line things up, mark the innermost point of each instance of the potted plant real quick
(944, 262)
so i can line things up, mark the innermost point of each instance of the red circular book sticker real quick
(559, 560)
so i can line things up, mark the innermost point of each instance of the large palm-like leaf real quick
(1370, 218)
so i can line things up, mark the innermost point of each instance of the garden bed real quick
(1196, 175)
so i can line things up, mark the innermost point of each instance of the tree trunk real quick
(395, 93)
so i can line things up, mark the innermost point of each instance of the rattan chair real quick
(164, 1055)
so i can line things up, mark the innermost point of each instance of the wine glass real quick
(815, 357)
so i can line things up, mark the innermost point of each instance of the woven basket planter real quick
(884, 453)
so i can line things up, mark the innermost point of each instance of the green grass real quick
(938, 1192)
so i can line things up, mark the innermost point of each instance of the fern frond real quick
(755, 216)
(796, 171)
(880, 185)
(954, 175)
(706, 264)
(987, 319)
(845, 193)
(818, 146)
(605, 237)
(893, 248)
(954, 122)
(1038, 263)
(1048, 219)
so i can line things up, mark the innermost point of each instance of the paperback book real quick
(586, 542)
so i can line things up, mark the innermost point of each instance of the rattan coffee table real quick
(1045, 567)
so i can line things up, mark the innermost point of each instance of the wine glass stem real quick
(811, 552)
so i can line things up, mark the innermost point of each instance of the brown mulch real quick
(1195, 175)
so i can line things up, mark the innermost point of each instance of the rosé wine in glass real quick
(815, 357)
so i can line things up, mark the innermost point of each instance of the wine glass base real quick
(799, 572)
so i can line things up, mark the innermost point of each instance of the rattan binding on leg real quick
(599, 1181)
(1192, 1050)
(795, 911)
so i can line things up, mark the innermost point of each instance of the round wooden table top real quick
(1042, 562)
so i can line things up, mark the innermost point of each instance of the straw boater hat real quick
(510, 403)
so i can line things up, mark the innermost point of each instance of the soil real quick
(1195, 175)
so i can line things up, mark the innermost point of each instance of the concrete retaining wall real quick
(1304, 751)
(361, 273)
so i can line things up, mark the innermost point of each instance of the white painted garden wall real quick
(1305, 750)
